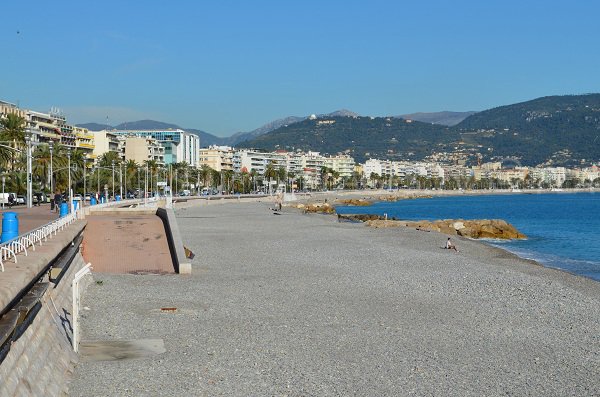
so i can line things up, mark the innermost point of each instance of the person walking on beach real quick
(450, 245)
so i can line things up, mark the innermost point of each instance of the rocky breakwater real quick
(322, 208)
(477, 228)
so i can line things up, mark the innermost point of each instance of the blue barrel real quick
(75, 205)
(118, 197)
(93, 201)
(64, 209)
(10, 226)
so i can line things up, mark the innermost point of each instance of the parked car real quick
(21, 200)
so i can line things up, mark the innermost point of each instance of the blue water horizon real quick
(562, 228)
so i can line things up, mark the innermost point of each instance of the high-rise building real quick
(180, 146)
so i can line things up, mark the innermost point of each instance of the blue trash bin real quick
(118, 197)
(10, 226)
(75, 205)
(64, 209)
(93, 201)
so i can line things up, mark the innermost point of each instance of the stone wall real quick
(41, 361)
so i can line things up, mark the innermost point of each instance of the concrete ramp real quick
(127, 243)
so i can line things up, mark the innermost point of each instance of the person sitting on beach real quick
(450, 245)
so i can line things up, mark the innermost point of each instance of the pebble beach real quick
(294, 304)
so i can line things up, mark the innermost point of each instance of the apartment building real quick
(143, 148)
(105, 141)
(342, 164)
(219, 158)
(180, 146)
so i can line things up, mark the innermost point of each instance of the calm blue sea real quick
(563, 229)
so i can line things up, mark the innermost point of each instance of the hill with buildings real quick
(553, 130)
(360, 137)
(560, 130)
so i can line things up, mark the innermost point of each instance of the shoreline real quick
(378, 195)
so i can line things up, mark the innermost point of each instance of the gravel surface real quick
(301, 305)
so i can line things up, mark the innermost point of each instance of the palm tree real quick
(12, 128)
(41, 166)
(205, 172)
(131, 169)
(270, 174)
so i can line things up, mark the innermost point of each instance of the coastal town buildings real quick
(143, 148)
(219, 158)
(180, 146)
(176, 146)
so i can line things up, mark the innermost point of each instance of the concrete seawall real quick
(39, 357)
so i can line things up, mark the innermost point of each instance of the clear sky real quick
(228, 66)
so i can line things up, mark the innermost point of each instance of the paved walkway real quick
(32, 218)
(301, 305)
(127, 243)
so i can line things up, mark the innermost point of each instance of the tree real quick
(12, 131)
(205, 173)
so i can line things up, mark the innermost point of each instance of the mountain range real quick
(207, 139)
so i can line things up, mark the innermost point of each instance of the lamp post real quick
(69, 189)
(3, 182)
(146, 187)
(113, 179)
(84, 184)
(121, 181)
(29, 176)
(51, 148)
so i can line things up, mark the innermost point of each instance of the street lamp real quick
(69, 190)
(51, 148)
(84, 184)
(3, 182)
(29, 176)
(121, 181)
(113, 179)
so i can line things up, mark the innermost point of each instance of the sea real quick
(563, 229)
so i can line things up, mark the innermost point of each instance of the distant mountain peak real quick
(342, 113)
(443, 118)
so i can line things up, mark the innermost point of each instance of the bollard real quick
(64, 209)
(93, 201)
(10, 226)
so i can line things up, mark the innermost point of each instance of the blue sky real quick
(229, 66)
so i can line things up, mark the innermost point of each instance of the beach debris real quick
(188, 253)
(168, 309)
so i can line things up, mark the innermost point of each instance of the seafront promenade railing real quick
(20, 244)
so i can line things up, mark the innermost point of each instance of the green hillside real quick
(562, 129)
(361, 137)
(559, 130)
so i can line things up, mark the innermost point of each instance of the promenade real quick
(301, 305)
(32, 218)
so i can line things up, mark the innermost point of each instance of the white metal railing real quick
(20, 244)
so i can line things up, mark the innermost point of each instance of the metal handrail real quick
(20, 243)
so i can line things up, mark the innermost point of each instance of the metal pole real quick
(146, 186)
(121, 181)
(3, 182)
(113, 179)
(29, 176)
(69, 190)
(84, 184)
(51, 146)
